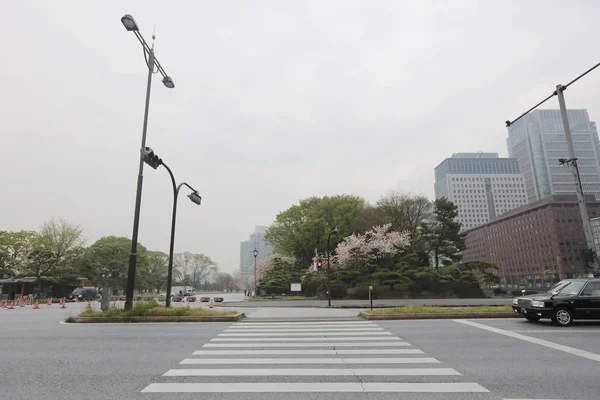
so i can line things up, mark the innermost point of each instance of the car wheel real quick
(532, 318)
(562, 316)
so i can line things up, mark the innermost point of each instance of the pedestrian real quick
(11, 296)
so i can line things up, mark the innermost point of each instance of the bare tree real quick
(193, 268)
(406, 212)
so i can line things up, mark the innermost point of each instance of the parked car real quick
(191, 298)
(218, 299)
(177, 298)
(84, 293)
(567, 300)
(205, 299)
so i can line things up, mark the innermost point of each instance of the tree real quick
(107, 261)
(276, 272)
(14, 250)
(442, 233)
(195, 267)
(225, 281)
(302, 228)
(405, 212)
(155, 276)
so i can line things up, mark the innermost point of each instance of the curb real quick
(164, 318)
(440, 315)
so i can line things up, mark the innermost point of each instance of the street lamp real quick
(255, 252)
(334, 231)
(151, 62)
(154, 161)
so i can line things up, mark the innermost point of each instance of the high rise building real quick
(536, 244)
(257, 241)
(538, 140)
(482, 186)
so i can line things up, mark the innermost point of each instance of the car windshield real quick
(77, 291)
(567, 288)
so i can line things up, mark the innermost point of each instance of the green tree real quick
(106, 261)
(302, 228)
(442, 233)
(14, 250)
(155, 277)
(386, 277)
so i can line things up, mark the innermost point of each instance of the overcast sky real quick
(274, 101)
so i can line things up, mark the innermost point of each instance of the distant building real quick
(595, 222)
(257, 241)
(482, 185)
(543, 236)
(538, 140)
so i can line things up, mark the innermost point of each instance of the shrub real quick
(499, 292)
(361, 292)
(338, 291)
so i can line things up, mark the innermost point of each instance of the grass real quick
(153, 309)
(419, 309)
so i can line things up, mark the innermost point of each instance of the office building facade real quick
(257, 241)
(536, 244)
(482, 185)
(538, 141)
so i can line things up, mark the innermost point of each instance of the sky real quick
(275, 101)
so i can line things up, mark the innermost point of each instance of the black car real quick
(84, 293)
(567, 300)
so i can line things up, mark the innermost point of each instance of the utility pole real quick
(587, 227)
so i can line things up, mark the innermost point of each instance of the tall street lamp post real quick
(154, 161)
(151, 62)
(255, 252)
(335, 230)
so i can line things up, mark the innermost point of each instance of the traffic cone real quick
(187, 304)
(63, 303)
(5, 304)
(76, 299)
(114, 304)
(211, 304)
(89, 304)
(36, 306)
(12, 305)
(22, 301)
(49, 301)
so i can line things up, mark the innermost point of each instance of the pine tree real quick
(442, 234)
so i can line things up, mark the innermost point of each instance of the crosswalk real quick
(311, 357)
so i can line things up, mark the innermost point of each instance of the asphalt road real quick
(482, 359)
(365, 303)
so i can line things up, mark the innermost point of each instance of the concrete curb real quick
(164, 318)
(441, 315)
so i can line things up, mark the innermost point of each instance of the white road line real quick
(307, 330)
(315, 344)
(560, 331)
(305, 339)
(314, 372)
(541, 342)
(315, 387)
(277, 327)
(320, 323)
(304, 352)
(332, 360)
(311, 334)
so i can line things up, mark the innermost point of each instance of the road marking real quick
(311, 334)
(304, 352)
(332, 360)
(315, 387)
(311, 326)
(560, 331)
(304, 339)
(315, 372)
(315, 344)
(541, 342)
(308, 330)
(320, 323)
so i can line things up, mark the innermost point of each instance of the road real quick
(352, 359)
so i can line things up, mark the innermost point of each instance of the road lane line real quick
(344, 327)
(331, 360)
(315, 387)
(311, 334)
(305, 339)
(315, 344)
(305, 352)
(320, 323)
(559, 331)
(314, 372)
(541, 342)
(374, 329)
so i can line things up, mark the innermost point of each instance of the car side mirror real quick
(554, 293)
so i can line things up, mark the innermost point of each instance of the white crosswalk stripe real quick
(292, 357)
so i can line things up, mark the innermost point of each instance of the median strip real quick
(438, 312)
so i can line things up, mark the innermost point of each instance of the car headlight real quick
(537, 304)
(515, 301)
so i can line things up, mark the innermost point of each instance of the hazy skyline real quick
(274, 102)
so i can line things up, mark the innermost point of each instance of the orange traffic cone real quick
(89, 304)
(114, 304)
(5, 304)
(63, 303)
(211, 304)
(12, 305)
(187, 304)
(76, 299)
(36, 306)
(49, 301)
(22, 301)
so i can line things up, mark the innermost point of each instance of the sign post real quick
(370, 295)
(296, 287)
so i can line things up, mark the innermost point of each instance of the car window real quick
(571, 289)
(592, 289)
